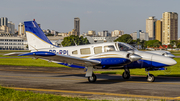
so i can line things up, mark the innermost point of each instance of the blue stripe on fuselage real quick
(112, 61)
(121, 61)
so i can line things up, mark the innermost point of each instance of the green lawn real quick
(14, 95)
(28, 62)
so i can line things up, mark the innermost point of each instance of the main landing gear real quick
(92, 78)
(126, 74)
(150, 77)
(89, 73)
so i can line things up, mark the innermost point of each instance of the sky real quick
(98, 15)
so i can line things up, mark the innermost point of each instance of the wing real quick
(58, 58)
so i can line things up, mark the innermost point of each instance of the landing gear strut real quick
(126, 74)
(150, 77)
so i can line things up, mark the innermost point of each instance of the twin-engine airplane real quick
(94, 56)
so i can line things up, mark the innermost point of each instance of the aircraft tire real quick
(126, 75)
(150, 78)
(92, 79)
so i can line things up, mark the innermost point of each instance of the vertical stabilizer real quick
(35, 37)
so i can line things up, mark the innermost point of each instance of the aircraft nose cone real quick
(134, 57)
(161, 61)
(172, 62)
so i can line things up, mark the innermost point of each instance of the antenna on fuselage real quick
(75, 43)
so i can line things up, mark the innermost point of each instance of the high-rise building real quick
(77, 25)
(150, 27)
(159, 30)
(169, 27)
(11, 27)
(140, 35)
(21, 29)
(4, 21)
(144, 36)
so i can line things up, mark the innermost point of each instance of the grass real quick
(14, 95)
(28, 62)
(25, 61)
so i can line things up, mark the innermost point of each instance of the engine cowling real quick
(133, 57)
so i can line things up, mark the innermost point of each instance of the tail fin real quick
(35, 37)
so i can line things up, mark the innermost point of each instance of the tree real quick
(153, 43)
(173, 43)
(126, 38)
(71, 40)
(178, 44)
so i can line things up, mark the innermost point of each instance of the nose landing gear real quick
(126, 75)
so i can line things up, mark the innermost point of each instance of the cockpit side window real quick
(109, 48)
(123, 47)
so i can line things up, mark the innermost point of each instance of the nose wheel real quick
(92, 78)
(150, 78)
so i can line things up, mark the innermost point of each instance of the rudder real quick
(35, 37)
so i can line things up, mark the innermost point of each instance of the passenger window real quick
(109, 48)
(98, 50)
(85, 51)
(74, 52)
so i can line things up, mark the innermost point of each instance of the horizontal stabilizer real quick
(15, 53)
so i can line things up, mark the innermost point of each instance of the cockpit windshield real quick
(125, 47)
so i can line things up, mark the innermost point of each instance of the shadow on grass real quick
(171, 75)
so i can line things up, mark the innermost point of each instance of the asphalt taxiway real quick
(70, 81)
